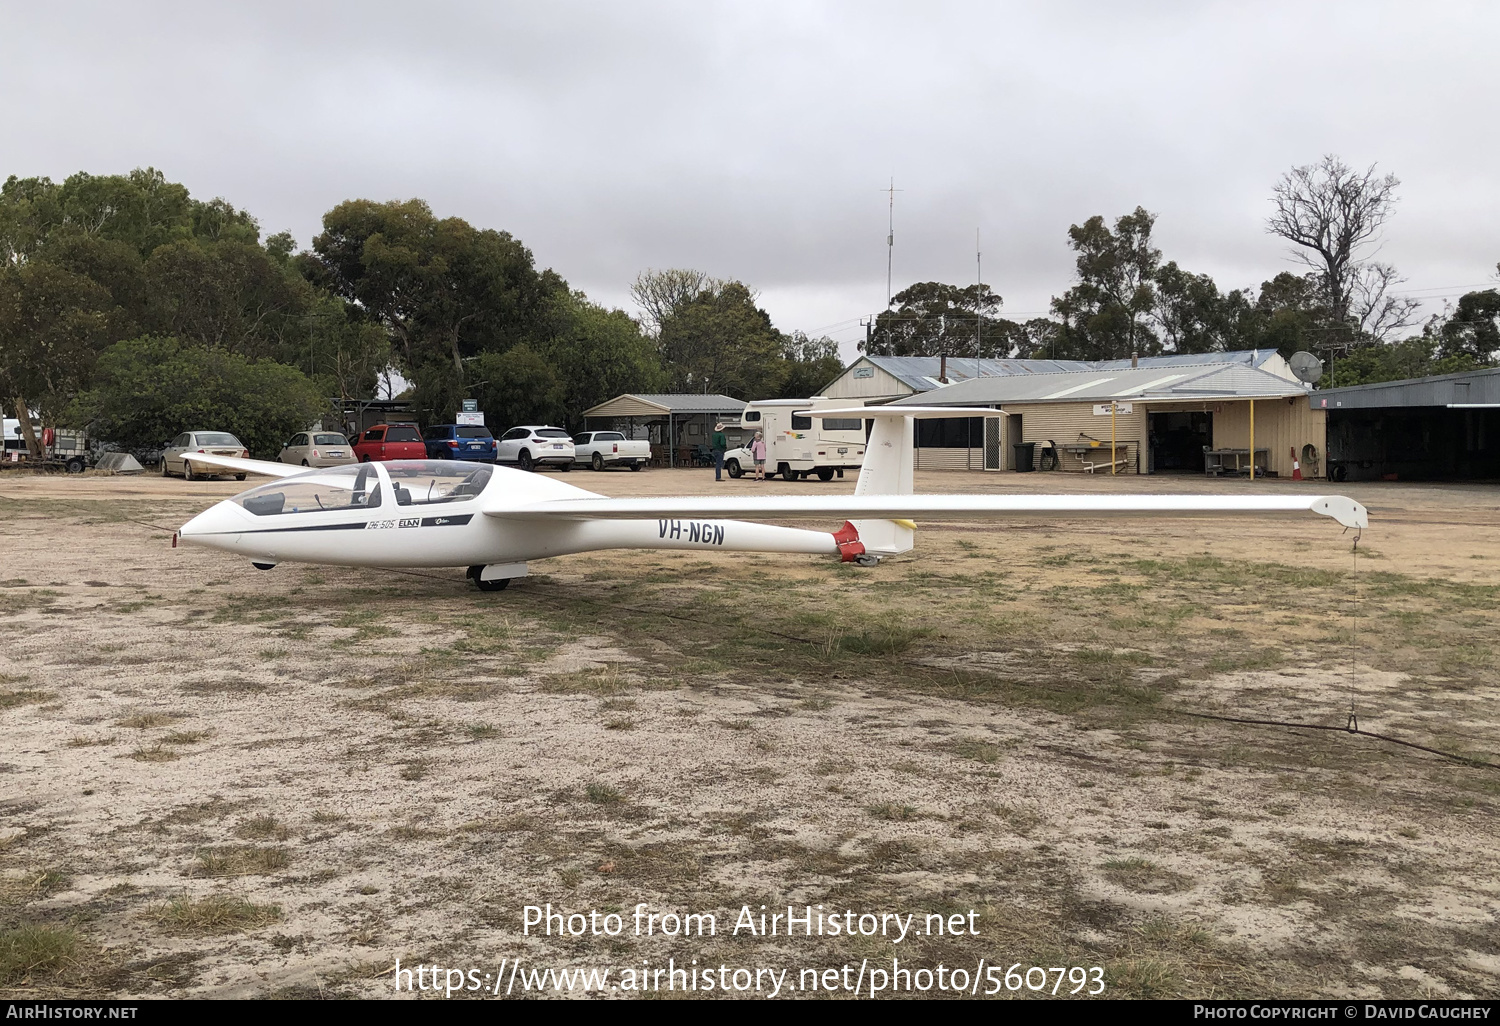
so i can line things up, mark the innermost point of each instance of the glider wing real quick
(240, 466)
(947, 507)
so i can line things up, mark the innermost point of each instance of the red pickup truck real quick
(390, 442)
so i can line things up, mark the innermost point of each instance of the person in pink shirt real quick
(758, 454)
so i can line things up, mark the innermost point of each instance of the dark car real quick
(459, 442)
(390, 442)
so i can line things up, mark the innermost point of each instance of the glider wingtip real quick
(1344, 510)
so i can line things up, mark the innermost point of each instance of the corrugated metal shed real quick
(1235, 381)
(1473, 388)
(662, 404)
(921, 373)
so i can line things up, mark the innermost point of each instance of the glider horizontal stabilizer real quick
(947, 507)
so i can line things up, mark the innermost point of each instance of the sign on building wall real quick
(864, 372)
(1102, 409)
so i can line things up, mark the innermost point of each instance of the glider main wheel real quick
(524, 461)
(239, 477)
(825, 474)
(733, 466)
(598, 462)
(482, 584)
(787, 473)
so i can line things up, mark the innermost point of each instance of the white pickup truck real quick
(600, 449)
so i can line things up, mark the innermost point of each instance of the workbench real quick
(1218, 462)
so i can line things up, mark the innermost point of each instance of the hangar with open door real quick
(1445, 427)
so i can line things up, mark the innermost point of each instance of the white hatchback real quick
(530, 446)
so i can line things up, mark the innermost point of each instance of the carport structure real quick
(1445, 427)
(674, 422)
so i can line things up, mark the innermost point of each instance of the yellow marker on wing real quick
(910, 525)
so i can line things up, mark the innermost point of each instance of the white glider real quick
(493, 520)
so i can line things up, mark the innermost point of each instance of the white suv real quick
(529, 447)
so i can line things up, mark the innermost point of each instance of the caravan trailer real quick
(798, 443)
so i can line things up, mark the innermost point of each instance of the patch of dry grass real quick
(262, 828)
(217, 913)
(149, 719)
(156, 753)
(245, 860)
(1145, 876)
(32, 953)
(12, 699)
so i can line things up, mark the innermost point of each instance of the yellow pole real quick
(1252, 439)
(1111, 436)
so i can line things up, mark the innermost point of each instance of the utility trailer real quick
(63, 449)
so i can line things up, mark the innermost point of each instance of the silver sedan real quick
(176, 458)
(318, 449)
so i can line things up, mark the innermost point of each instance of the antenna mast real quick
(890, 239)
(978, 304)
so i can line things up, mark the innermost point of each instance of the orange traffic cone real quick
(1296, 466)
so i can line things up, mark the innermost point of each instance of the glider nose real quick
(217, 526)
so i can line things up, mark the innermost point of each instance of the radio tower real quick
(890, 239)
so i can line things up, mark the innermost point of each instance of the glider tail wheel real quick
(475, 575)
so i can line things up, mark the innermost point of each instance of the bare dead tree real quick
(658, 293)
(1331, 213)
(1379, 314)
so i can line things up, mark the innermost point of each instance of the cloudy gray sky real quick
(753, 140)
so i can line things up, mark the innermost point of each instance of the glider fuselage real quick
(419, 513)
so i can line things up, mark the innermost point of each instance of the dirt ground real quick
(221, 782)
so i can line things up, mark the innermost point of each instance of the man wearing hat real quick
(720, 444)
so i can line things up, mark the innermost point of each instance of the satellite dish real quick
(1307, 367)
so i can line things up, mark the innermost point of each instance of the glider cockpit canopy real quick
(365, 486)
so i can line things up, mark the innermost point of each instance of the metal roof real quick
(921, 372)
(1478, 387)
(658, 404)
(1161, 383)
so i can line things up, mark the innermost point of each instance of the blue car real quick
(459, 442)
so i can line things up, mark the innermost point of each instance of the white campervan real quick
(798, 442)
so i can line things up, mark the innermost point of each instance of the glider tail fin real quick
(890, 458)
(889, 461)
